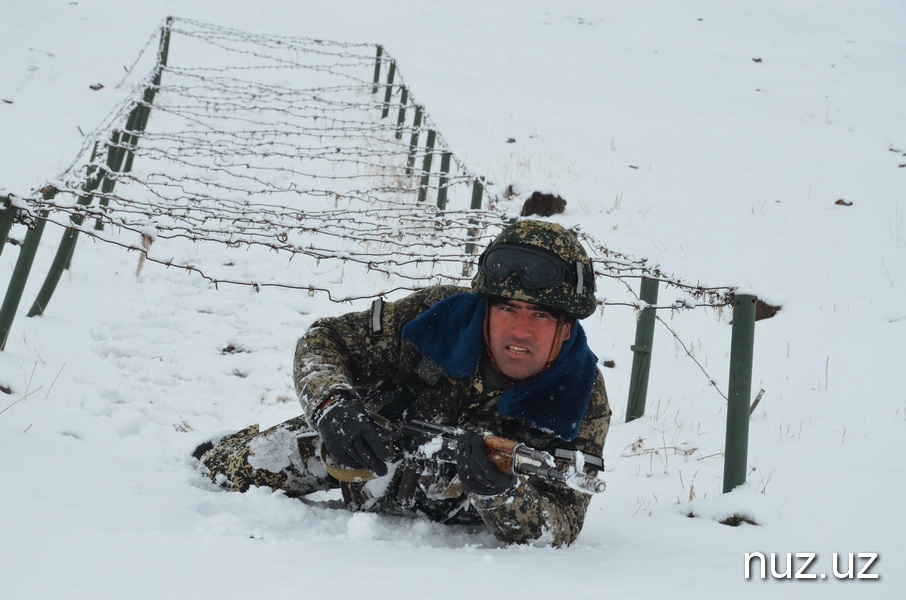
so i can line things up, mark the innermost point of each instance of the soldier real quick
(507, 356)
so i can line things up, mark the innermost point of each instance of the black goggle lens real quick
(535, 269)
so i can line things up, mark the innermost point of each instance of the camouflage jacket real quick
(357, 352)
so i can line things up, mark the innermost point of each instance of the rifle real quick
(427, 441)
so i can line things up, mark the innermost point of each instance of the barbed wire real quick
(619, 265)
(284, 145)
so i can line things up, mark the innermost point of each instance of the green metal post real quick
(115, 155)
(426, 166)
(19, 277)
(7, 217)
(389, 93)
(742, 345)
(130, 136)
(442, 181)
(62, 258)
(138, 120)
(163, 54)
(377, 69)
(163, 50)
(477, 195)
(641, 359)
(401, 118)
(413, 141)
(60, 262)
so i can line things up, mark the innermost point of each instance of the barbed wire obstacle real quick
(290, 162)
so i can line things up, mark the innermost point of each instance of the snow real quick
(713, 138)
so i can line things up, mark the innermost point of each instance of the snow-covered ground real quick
(714, 138)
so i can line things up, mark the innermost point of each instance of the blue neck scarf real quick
(451, 333)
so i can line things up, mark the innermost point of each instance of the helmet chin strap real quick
(557, 343)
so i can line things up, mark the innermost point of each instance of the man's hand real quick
(351, 437)
(475, 469)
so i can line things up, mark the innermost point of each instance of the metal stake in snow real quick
(740, 391)
(20, 276)
(641, 359)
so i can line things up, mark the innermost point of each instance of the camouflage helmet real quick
(541, 263)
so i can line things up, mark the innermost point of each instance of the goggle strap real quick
(580, 277)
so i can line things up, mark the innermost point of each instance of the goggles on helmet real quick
(536, 268)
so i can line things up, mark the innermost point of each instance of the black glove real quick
(351, 437)
(475, 469)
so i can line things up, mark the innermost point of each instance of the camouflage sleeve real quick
(537, 511)
(356, 350)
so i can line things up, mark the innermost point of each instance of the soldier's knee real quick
(225, 462)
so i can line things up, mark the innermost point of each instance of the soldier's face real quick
(521, 336)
